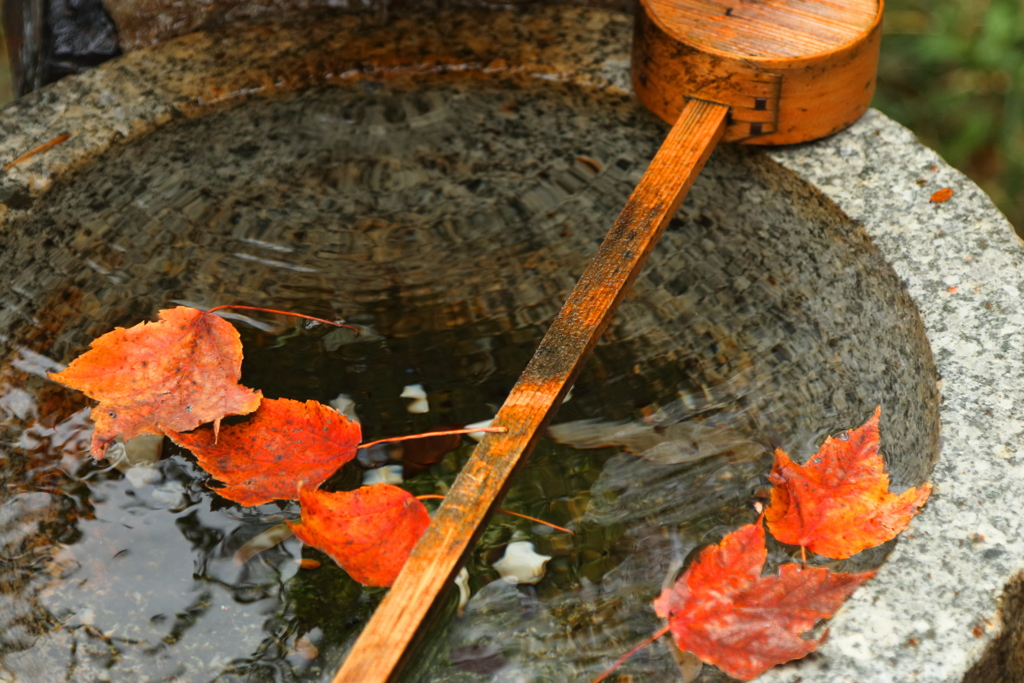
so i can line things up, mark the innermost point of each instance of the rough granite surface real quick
(934, 606)
(141, 23)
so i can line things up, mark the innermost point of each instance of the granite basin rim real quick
(927, 245)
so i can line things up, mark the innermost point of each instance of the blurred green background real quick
(953, 72)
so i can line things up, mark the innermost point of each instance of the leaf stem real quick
(434, 496)
(36, 150)
(272, 310)
(623, 658)
(409, 437)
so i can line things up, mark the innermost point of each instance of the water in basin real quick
(449, 223)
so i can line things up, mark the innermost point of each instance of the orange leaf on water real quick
(722, 610)
(839, 502)
(175, 374)
(369, 532)
(283, 444)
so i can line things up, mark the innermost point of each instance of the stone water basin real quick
(447, 211)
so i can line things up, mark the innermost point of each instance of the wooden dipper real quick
(750, 71)
(789, 70)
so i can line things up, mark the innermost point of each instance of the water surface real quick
(448, 223)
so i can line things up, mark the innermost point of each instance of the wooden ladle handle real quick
(388, 638)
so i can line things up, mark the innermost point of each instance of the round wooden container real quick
(790, 70)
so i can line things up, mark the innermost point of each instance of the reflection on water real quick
(449, 224)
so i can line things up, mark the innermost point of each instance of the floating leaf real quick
(369, 532)
(175, 374)
(839, 502)
(724, 611)
(283, 444)
(521, 563)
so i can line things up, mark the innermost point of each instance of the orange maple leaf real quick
(839, 502)
(369, 532)
(283, 444)
(726, 613)
(175, 374)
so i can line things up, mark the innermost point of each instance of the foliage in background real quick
(953, 72)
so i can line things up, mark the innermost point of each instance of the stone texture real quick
(934, 607)
(141, 23)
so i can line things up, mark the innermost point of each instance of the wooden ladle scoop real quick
(788, 70)
(750, 71)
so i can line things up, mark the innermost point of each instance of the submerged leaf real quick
(420, 455)
(283, 444)
(369, 532)
(723, 610)
(175, 374)
(263, 541)
(839, 502)
(662, 444)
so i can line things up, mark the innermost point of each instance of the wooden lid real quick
(766, 29)
(789, 70)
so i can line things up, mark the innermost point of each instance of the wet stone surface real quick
(449, 222)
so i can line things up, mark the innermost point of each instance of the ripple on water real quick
(448, 223)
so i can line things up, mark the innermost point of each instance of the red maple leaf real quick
(369, 532)
(284, 444)
(839, 502)
(175, 374)
(722, 610)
